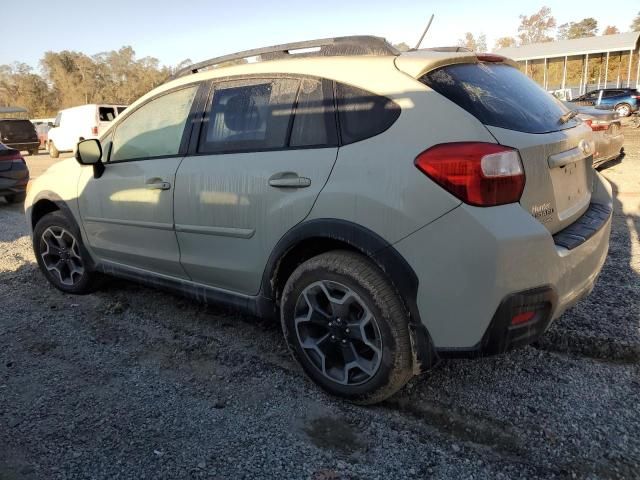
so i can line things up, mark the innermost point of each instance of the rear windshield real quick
(499, 95)
(14, 127)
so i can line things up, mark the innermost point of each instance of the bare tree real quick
(635, 25)
(504, 42)
(587, 27)
(610, 30)
(473, 44)
(536, 28)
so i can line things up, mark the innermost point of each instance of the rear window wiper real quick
(568, 116)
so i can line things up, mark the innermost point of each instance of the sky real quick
(175, 30)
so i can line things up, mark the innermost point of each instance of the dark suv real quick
(625, 101)
(19, 134)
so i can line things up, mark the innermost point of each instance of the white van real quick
(79, 123)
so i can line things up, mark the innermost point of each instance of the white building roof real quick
(579, 46)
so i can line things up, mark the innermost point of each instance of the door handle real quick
(289, 180)
(157, 184)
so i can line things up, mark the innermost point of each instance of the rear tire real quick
(61, 255)
(53, 151)
(347, 326)
(15, 198)
(623, 109)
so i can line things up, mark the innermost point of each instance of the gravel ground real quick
(135, 383)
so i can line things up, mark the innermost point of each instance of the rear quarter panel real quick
(375, 182)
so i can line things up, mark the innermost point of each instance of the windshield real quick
(501, 96)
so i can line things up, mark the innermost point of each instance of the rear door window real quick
(499, 95)
(249, 115)
(363, 114)
(314, 122)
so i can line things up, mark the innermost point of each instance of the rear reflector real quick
(94, 130)
(522, 318)
(480, 174)
(597, 126)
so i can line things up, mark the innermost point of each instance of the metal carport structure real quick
(606, 61)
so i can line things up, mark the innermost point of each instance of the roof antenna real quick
(424, 33)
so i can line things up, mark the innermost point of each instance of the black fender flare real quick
(51, 197)
(376, 248)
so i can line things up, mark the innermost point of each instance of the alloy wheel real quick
(338, 333)
(60, 252)
(623, 110)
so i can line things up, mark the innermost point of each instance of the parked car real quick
(19, 134)
(14, 175)
(387, 213)
(625, 101)
(78, 123)
(43, 125)
(607, 132)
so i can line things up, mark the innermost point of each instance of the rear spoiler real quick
(419, 62)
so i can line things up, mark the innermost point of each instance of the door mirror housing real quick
(89, 152)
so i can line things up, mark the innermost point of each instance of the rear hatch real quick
(555, 150)
(17, 131)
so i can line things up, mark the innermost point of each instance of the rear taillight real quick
(94, 130)
(637, 97)
(12, 157)
(597, 126)
(490, 57)
(480, 174)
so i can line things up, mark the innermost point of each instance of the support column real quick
(606, 71)
(638, 72)
(583, 84)
(629, 71)
(544, 81)
(526, 67)
(564, 72)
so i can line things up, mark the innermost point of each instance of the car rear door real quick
(263, 152)
(127, 212)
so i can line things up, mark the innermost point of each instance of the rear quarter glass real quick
(500, 96)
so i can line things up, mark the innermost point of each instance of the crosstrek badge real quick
(542, 212)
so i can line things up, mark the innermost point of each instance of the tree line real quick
(540, 27)
(72, 78)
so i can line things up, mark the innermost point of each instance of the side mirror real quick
(89, 152)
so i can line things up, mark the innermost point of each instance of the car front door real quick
(127, 213)
(264, 151)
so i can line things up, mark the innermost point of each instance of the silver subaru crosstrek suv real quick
(392, 209)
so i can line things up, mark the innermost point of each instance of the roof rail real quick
(449, 49)
(337, 46)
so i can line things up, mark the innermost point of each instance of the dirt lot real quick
(136, 383)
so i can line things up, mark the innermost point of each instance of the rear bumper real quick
(607, 148)
(25, 145)
(14, 181)
(473, 261)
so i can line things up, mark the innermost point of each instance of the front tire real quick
(347, 326)
(53, 151)
(61, 256)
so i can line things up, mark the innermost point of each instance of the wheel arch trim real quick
(373, 246)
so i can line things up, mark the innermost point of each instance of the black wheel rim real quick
(338, 333)
(60, 253)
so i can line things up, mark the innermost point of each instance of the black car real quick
(19, 134)
(14, 175)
